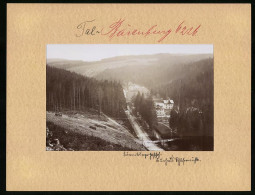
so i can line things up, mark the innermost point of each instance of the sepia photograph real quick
(129, 97)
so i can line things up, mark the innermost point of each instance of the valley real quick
(121, 91)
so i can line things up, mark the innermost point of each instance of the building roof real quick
(168, 101)
(160, 100)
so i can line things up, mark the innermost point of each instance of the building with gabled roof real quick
(163, 107)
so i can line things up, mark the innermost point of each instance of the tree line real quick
(145, 107)
(70, 91)
(193, 97)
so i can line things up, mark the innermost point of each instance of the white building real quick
(163, 107)
(160, 111)
(168, 104)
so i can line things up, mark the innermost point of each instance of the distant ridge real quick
(94, 68)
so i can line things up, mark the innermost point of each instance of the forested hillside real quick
(189, 84)
(192, 81)
(161, 72)
(187, 79)
(145, 107)
(71, 91)
(192, 93)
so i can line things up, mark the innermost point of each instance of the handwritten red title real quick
(121, 28)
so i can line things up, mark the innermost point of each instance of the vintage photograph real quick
(129, 97)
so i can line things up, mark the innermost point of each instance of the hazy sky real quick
(95, 52)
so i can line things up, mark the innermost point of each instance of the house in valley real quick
(163, 107)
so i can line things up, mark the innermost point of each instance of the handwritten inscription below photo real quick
(129, 97)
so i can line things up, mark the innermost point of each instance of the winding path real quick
(141, 134)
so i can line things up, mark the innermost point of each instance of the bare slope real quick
(104, 128)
